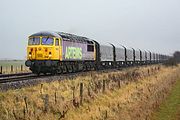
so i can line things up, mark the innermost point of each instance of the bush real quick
(171, 62)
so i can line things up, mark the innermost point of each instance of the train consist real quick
(59, 52)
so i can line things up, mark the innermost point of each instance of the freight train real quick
(59, 52)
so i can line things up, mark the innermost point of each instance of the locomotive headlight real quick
(30, 54)
(50, 54)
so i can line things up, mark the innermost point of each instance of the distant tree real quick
(174, 60)
(176, 56)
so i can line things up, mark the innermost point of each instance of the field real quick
(133, 93)
(6, 66)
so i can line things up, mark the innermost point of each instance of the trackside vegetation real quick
(170, 108)
(128, 94)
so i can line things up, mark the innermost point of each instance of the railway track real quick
(16, 74)
(8, 78)
(16, 77)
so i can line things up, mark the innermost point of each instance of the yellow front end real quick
(39, 49)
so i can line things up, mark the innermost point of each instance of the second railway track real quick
(15, 74)
(14, 78)
(8, 78)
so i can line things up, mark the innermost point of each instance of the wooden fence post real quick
(46, 102)
(75, 103)
(41, 90)
(89, 93)
(81, 93)
(99, 85)
(15, 116)
(106, 115)
(1, 70)
(21, 67)
(119, 83)
(104, 85)
(148, 72)
(25, 101)
(55, 97)
(24, 112)
(73, 90)
(11, 68)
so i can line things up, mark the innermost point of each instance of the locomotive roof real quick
(46, 33)
(73, 37)
(65, 36)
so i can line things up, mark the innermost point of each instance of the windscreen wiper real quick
(47, 39)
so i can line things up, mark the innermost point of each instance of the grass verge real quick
(170, 108)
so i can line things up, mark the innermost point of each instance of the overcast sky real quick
(145, 24)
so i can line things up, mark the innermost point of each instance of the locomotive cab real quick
(43, 52)
(43, 48)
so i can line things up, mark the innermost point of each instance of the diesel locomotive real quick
(59, 52)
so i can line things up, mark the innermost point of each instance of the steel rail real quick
(17, 78)
(15, 74)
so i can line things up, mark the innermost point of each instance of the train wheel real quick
(69, 68)
(84, 68)
(88, 67)
(53, 72)
(38, 73)
(60, 71)
(64, 69)
(74, 68)
(44, 73)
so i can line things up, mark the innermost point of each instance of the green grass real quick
(170, 108)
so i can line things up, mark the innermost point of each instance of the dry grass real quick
(142, 89)
(135, 101)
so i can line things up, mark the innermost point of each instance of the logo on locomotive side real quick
(73, 53)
